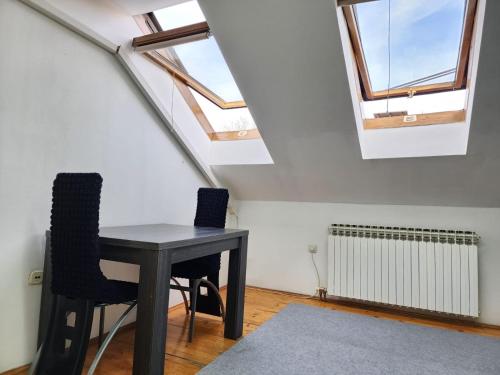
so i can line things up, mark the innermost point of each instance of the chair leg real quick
(65, 344)
(219, 298)
(186, 306)
(34, 363)
(194, 298)
(108, 338)
(102, 312)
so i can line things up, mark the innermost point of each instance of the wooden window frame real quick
(201, 89)
(161, 39)
(150, 26)
(343, 3)
(365, 84)
(436, 118)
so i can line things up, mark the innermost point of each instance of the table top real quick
(164, 236)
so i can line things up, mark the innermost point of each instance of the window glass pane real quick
(203, 60)
(223, 120)
(425, 40)
(179, 15)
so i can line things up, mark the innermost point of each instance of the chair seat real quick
(116, 291)
(197, 268)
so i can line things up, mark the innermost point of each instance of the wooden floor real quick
(260, 305)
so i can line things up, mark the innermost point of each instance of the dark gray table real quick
(155, 248)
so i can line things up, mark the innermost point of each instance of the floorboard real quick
(260, 305)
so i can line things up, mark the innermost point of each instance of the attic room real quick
(249, 187)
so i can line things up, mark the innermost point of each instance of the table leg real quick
(152, 314)
(235, 299)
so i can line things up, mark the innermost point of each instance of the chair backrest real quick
(210, 212)
(212, 207)
(74, 234)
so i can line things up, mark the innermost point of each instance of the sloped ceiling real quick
(287, 58)
(134, 7)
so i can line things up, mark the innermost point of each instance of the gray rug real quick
(309, 340)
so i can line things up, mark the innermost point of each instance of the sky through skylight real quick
(224, 120)
(203, 60)
(180, 15)
(425, 39)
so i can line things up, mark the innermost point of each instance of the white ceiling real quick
(134, 7)
(287, 59)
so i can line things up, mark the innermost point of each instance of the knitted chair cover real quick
(75, 251)
(210, 212)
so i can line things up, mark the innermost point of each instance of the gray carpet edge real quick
(316, 340)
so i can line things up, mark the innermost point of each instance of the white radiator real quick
(427, 269)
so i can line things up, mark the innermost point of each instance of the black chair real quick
(210, 212)
(78, 284)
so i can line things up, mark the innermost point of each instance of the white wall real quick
(280, 232)
(67, 105)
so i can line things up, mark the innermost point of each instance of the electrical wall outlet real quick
(313, 249)
(35, 277)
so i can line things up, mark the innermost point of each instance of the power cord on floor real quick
(317, 272)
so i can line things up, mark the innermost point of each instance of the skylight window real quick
(405, 50)
(181, 43)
